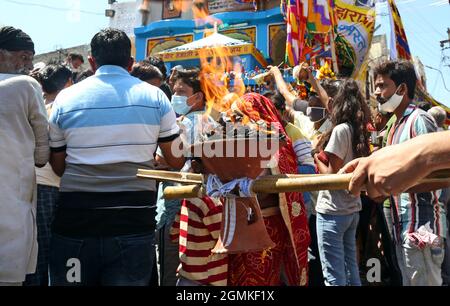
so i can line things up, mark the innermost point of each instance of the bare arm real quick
(161, 163)
(58, 162)
(334, 164)
(173, 152)
(282, 86)
(394, 169)
(323, 96)
(39, 123)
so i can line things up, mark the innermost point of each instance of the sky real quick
(54, 24)
(425, 23)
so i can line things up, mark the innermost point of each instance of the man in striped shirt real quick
(197, 228)
(420, 262)
(101, 131)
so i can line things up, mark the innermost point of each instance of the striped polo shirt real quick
(412, 210)
(197, 228)
(302, 145)
(109, 125)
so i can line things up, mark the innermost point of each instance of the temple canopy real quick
(188, 54)
(213, 40)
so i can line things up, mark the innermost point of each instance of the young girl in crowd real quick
(338, 210)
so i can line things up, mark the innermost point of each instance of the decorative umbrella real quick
(188, 54)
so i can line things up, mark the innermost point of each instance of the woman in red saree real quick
(287, 262)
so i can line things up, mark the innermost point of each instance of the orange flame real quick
(201, 14)
(216, 67)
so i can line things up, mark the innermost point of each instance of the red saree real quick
(288, 230)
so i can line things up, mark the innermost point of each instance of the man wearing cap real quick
(24, 144)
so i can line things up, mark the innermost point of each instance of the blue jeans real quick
(102, 261)
(336, 236)
(306, 169)
(167, 257)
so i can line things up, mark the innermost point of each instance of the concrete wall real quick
(378, 52)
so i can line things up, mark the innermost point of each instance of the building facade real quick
(60, 55)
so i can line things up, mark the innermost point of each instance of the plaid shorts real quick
(46, 203)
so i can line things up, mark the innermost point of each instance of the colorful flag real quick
(296, 14)
(333, 15)
(319, 20)
(399, 43)
(355, 29)
(302, 17)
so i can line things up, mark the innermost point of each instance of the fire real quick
(220, 73)
(218, 70)
(201, 15)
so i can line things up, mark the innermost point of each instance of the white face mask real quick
(391, 104)
(179, 104)
(315, 114)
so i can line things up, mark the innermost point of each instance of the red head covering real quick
(289, 230)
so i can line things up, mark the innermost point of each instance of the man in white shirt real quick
(24, 144)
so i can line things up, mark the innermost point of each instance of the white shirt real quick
(45, 175)
(23, 142)
(306, 126)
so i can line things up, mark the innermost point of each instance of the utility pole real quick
(443, 42)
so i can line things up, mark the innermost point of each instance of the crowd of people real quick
(72, 142)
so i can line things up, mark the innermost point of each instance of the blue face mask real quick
(180, 106)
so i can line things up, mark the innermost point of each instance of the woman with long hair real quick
(338, 210)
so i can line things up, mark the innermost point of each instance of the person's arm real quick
(169, 139)
(39, 123)
(424, 124)
(322, 94)
(282, 86)
(334, 164)
(338, 147)
(58, 162)
(161, 163)
(58, 144)
(173, 151)
(394, 169)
